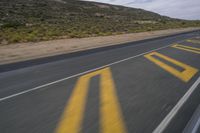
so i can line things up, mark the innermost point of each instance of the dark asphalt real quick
(146, 92)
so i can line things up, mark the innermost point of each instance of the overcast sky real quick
(184, 9)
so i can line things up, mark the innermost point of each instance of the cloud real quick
(184, 9)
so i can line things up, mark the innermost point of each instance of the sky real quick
(183, 9)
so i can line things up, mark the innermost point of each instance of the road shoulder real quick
(28, 51)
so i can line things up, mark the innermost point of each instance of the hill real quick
(35, 20)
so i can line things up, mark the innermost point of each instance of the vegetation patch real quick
(36, 20)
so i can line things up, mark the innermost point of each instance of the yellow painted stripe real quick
(193, 41)
(187, 48)
(111, 119)
(185, 75)
(71, 119)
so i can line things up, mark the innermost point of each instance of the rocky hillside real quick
(35, 20)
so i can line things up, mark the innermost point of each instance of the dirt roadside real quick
(26, 51)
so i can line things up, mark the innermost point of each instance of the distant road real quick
(150, 86)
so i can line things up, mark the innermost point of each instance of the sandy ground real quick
(26, 51)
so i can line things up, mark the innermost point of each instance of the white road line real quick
(165, 122)
(79, 74)
(197, 125)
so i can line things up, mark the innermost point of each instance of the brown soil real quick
(26, 51)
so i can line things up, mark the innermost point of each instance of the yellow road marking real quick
(71, 119)
(111, 119)
(187, 48)
(193, 41)
(185, 75)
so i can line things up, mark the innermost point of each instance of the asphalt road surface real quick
(143, 87)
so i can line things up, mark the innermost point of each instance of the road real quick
(140, 87)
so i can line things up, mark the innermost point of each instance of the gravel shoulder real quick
(27, 51)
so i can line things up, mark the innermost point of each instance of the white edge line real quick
(79, 74)
(197, 125)
(165, 122)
